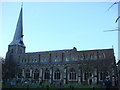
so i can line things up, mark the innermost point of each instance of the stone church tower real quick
(17, 45)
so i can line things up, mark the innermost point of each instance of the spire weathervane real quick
(21, 4)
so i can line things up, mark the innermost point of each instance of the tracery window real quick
(101, 75)
(90, 74)
(20, 73)
(85, 76)
(57, 75)
(36, 74)
(27, 74)
(72, 74)
(47, 74)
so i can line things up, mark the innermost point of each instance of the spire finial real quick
(21, 4)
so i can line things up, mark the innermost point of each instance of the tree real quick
(9, 68)
(1, 63)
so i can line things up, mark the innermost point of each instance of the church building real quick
(61, 66)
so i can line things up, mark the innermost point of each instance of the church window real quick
(36, 74)
(72, 74)
(35, 60)
(67, 59)
(85, 76)
(57, 75)
(12, 51)
(20, 73)
(49, 57)
(25, 60)
(90, 74)
(22, 60)
(95, 56)
(32, 60)
(56, 58)
(47, 74)
(91, 57)
(107, 73)
(103, 55)
(81, 57)
(27, 73)
(101, 75)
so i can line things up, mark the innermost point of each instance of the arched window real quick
(27, 74)
(20, 73)
(57, 75)
(25, 60)
(72, 74)
(85, 75)
(36, 74)
(101, 75)
(47, 74)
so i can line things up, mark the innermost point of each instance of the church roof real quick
(18, 36)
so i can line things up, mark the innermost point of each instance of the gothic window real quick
(103, 55)
(67, 59)
(12, 51)
(20, 73)
(47, 74)
(25, 60)
(49, 57)
(87, 56)
(22, 60)
(72, 74)
(91, 57)
(56, 58)
(35, 60)
(101, 75)
(36, 74)
(32, 60)
(27, 75)
(82, 57)
(57, 75)
(95, 56)
(90, 74)
(107, 73)
(85, 76)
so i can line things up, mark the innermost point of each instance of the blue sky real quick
(58, 25)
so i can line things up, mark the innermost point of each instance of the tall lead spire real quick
(18, 36)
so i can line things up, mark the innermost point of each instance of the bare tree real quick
(9, 69)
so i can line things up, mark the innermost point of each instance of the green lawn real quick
(46, 86)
